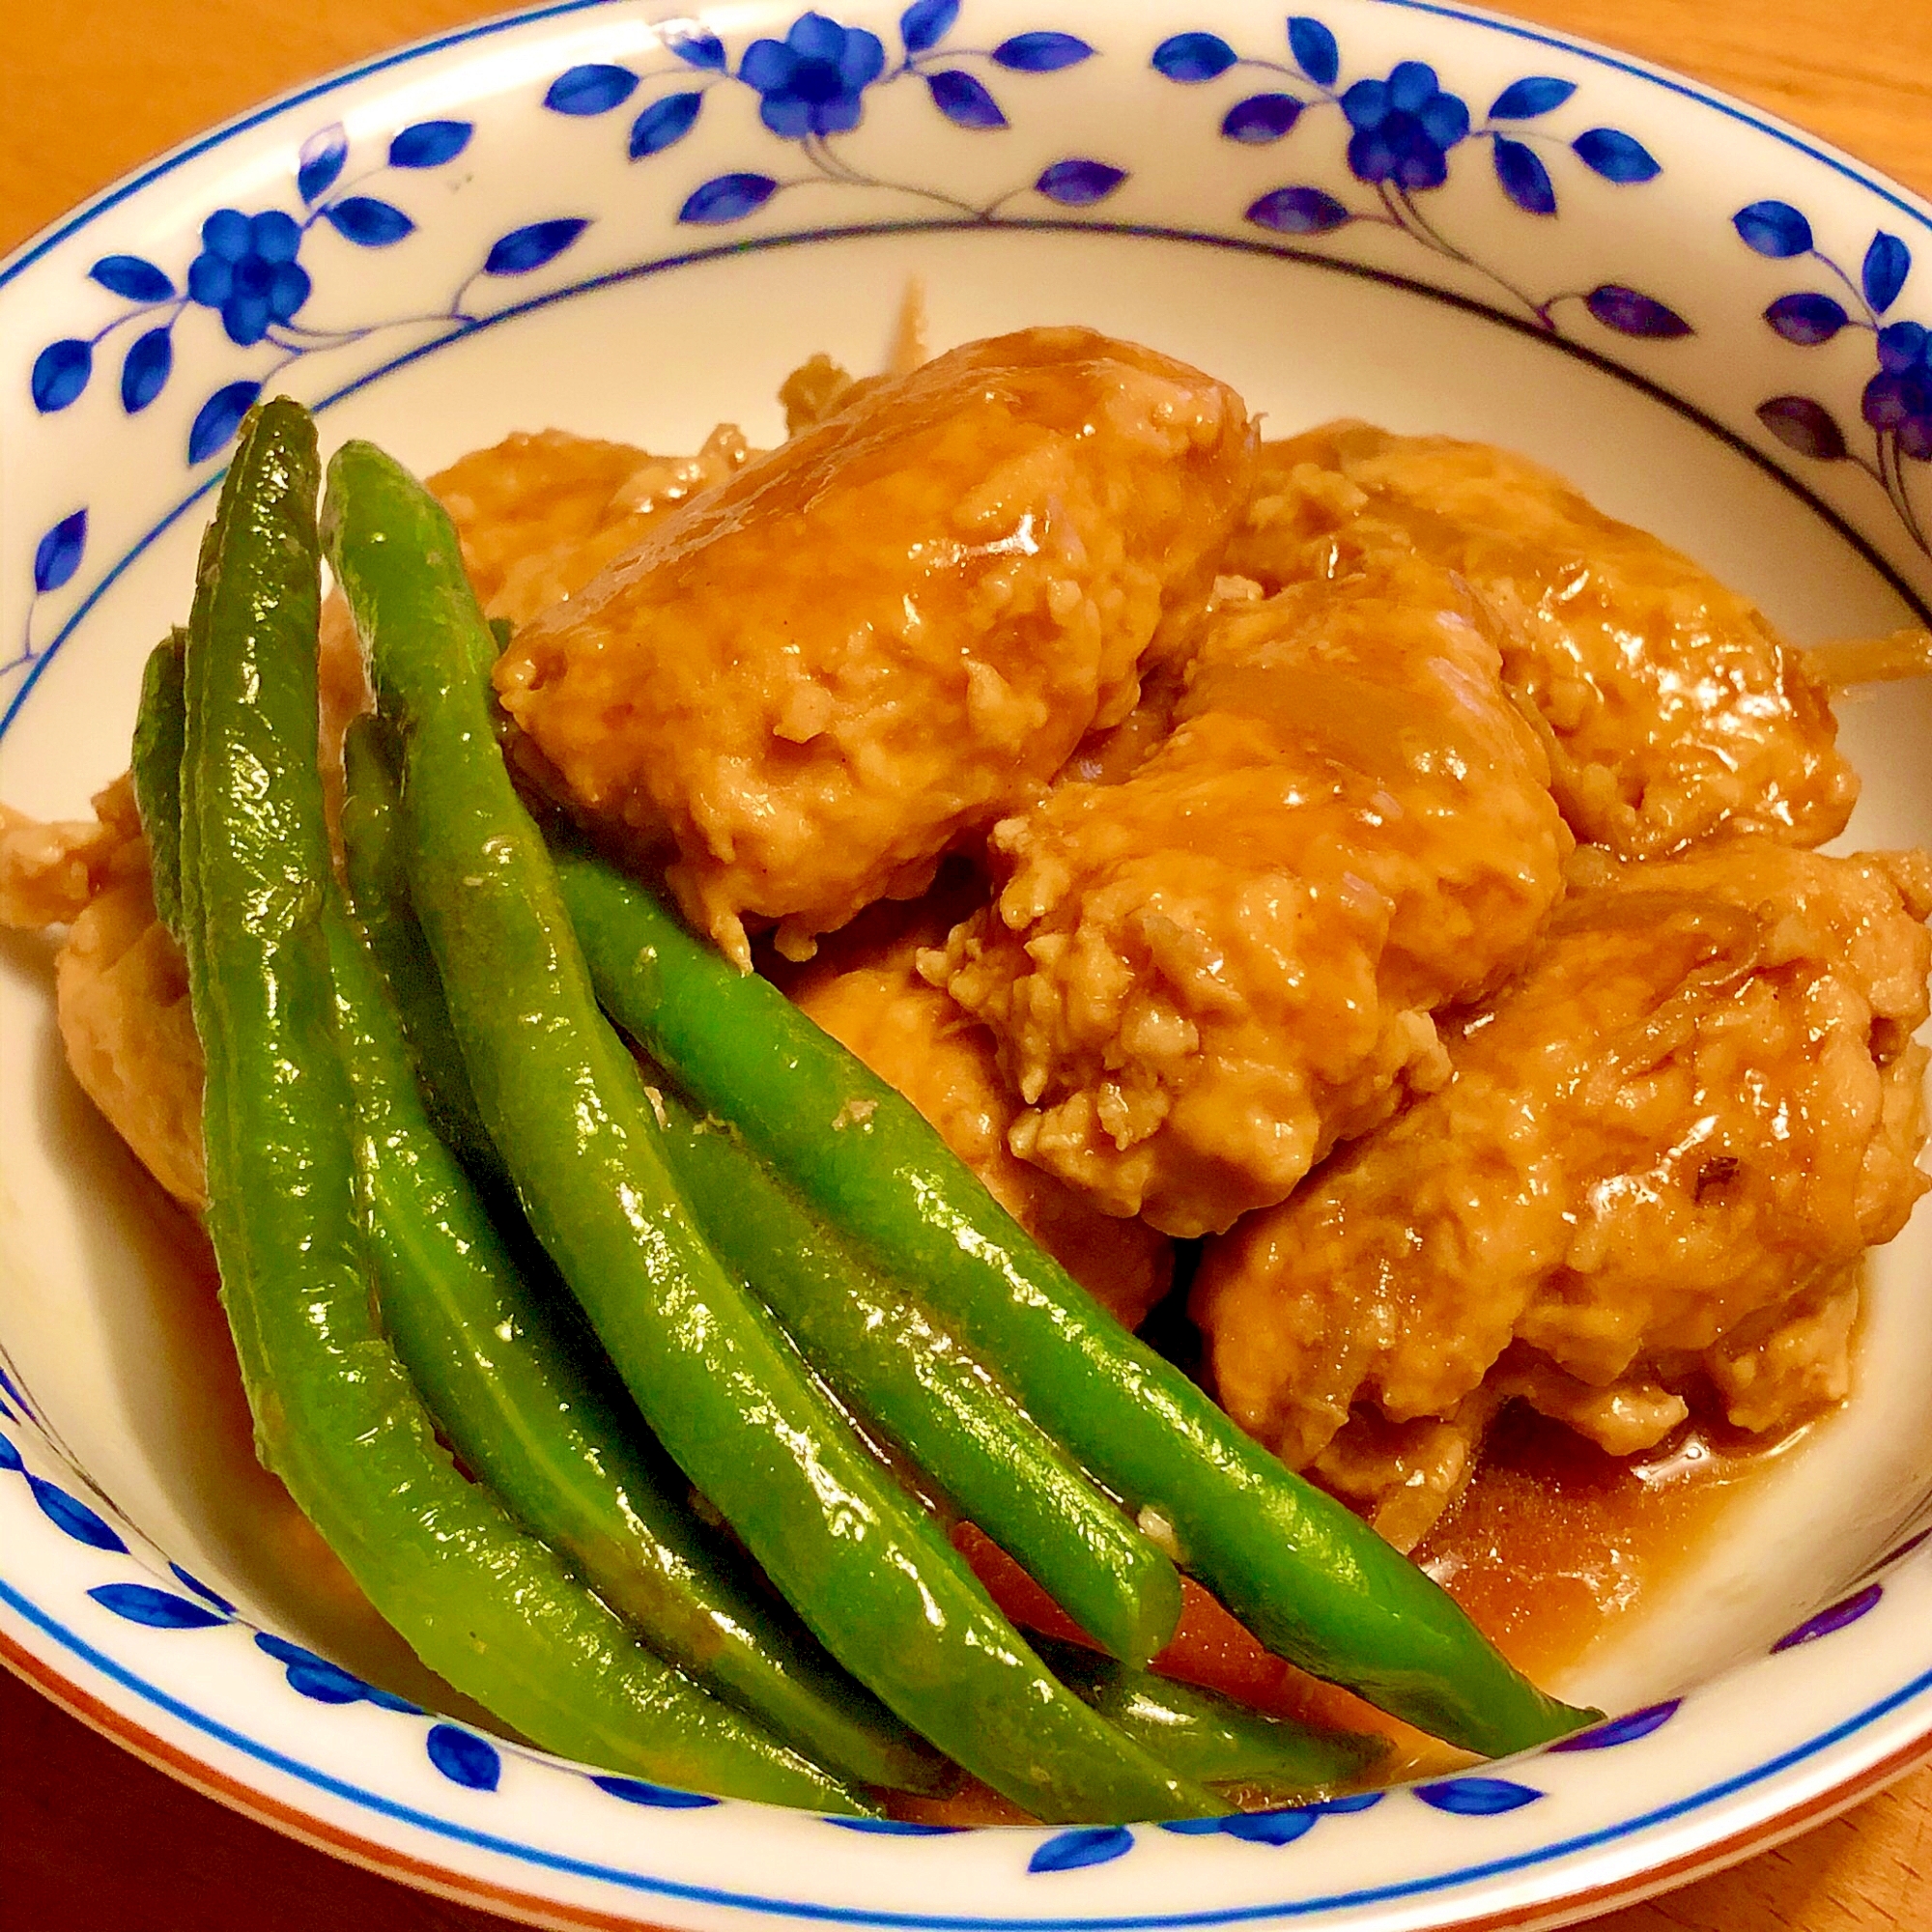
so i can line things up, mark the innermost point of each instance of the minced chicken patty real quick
(1660, 1154)
(877, 640)
(1672, 709)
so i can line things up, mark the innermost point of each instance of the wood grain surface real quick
(91, 1841)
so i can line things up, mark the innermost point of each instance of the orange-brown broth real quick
(1556, 1542)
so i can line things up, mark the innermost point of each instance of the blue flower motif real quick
(810, 82)
(247, 269)
(1404, 128)
(1899, 397)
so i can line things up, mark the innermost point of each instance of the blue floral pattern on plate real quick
(1895, 404)
(811, 86)
(1401, 129)
(1403, 132)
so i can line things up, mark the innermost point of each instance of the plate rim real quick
(1858, 1782)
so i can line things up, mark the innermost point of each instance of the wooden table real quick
(94, 1842)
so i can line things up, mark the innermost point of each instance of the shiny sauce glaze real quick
(1556, 1544)
(1553, 1546)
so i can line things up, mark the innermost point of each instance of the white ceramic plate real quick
(576, 218)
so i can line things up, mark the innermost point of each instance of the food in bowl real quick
(1247, 865)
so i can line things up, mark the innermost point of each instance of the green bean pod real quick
(888, 1358)
(1210, 1736)
(718, 1381)
(372, 870)
(156, 769)
(337, 1417)
(499, 1374)
(1311, 1580)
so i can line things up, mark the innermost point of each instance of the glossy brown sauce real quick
(1555, 1543)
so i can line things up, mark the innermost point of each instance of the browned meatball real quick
(866, 991)
(1205, 974)
(1660, 1156)
(891, 631)
(1671, 708)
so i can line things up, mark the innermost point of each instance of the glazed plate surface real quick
(582, 220)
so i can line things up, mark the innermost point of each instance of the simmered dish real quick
(862, 925)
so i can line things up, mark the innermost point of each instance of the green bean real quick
(720, 1382)
(157, 772)
(1311, 1580)
(886, 1356)
(496, 1370)
(373, 870)
(1204, 1735)
(337, 1417)
(879, 1350)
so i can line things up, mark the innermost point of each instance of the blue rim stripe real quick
(945, 1923)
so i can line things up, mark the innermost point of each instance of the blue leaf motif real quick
(1524, 177)
(1078, 184)
(56, 558)
(158, 1609)
(133, 277)
(144, 373)
(324, 1683)
(896, 1828)
(727, 198)
(1525, 100)
(428, 144)
(202, 1590)
(1632, 313)
(218, 419)
(1260, 118)
(925, 23)
(1623, 1730)
(1041, 53)
(65, 1512)
(525, 249)
(963, 100)
(464, 1758)
(693, 43)
(663, 122)
(1825, 1622)
(322, 154)
(1887, 264)
(367, 222)
(593, 89)
(1084, 1845)
(1298, 210)
(1193, 57)
(1314, 49)
(1270, 1828)
(1807, 319)
(9, 1456)
(1476, 1797)
(1773, 228)
(1808, 427)
(61, 372)
(635, 1791)
(1616, 156)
